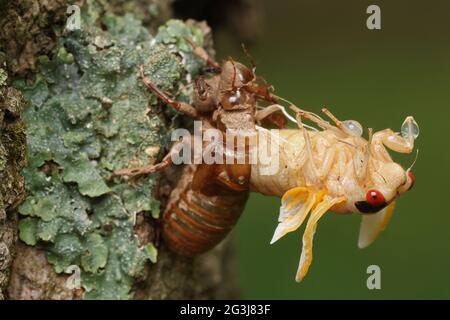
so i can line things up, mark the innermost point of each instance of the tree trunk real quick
(66, 230)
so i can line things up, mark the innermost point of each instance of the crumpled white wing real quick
(308, 236)
(295, 206)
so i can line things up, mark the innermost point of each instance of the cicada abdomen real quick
(201, 213)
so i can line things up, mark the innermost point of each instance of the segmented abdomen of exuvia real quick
(196, 221)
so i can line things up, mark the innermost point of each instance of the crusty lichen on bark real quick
(31, 28)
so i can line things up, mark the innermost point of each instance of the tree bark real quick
(75, 86)
(12, 160)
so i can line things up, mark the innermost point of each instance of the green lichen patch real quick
(88, 115)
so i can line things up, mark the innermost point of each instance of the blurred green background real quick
(320, 53)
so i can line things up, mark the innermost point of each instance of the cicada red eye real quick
(411, 176)
(375, 198)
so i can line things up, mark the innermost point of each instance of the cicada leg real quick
(349, 127)
(403, 143)
(270, 112)
(165, 162)
(202, 54)
(320, 172)
(180, 106)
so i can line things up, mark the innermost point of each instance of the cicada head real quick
(386, 179)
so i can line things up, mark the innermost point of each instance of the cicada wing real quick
(373, 224)
(308, 236)
(295, 206)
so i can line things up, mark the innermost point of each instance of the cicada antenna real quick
(414, 162)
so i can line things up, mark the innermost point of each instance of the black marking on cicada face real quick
(365, 207)
(374, 202)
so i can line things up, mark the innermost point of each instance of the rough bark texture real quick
(12, 160)
(28, 31)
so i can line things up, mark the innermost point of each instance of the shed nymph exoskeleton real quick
(209, 198)
(335, 169)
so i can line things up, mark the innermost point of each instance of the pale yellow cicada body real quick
(335, 169)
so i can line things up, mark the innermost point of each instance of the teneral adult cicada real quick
(336, 169)
(330, 168)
